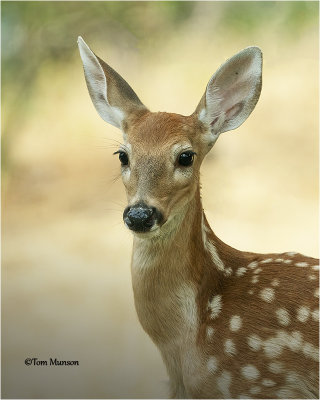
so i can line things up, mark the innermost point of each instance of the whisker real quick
(114, 179)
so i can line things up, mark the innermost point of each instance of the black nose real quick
(141, 218)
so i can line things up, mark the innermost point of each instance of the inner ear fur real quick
(232, 92)
(112, 96)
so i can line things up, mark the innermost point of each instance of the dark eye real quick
(123, 157)
(186, 158)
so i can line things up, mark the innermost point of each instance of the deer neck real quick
(172, 252)
(185, 249)
(168, 272)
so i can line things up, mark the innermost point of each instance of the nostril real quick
(150, 221)
(151, 217)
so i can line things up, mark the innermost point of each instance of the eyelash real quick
(123, 157)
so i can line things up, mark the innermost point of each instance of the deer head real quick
(162, 152)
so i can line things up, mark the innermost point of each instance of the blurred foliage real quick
(251, 15)
(34, 33)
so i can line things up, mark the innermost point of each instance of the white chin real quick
(154, 232)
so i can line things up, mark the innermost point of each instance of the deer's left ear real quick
(232, 92)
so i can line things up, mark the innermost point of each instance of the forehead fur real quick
(161, 128)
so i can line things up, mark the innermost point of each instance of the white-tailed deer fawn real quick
(228, 324)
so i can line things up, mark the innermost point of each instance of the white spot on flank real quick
(287, 261)
(294, 340)
(256, 271)
(275, 282)
(312, 277)
(229, 347)
(303, 313)
(279, 260)
(255, 279)
(253, 265)
(210, 332)
(292, 377)
(254, 342)
(223, 383)
(311, 351)
(316, 293)
(250, 291)
(301, 264)
(283, 316)
(255, 390)
(268, 382)
(291, 253)
(285, 393)
(315, 315)
(276, 367)
(267, 294)
(267, 260)
(250, 372)
(316, 267)
(241, 271)
(273, 347)
(215, 306)
(235, 323)
(212, 364)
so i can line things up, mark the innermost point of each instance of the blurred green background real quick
(66, 289)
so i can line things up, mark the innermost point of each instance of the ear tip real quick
(255, 48)
(83, 47)
(82, 44)
(254, 51)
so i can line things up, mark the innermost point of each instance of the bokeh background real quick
(66, 286)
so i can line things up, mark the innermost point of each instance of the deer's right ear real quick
(111, 95)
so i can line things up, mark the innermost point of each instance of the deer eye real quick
(123, 157)
(186, 158)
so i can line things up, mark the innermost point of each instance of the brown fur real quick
(258, 317)
(155, 288)
(228, 324)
